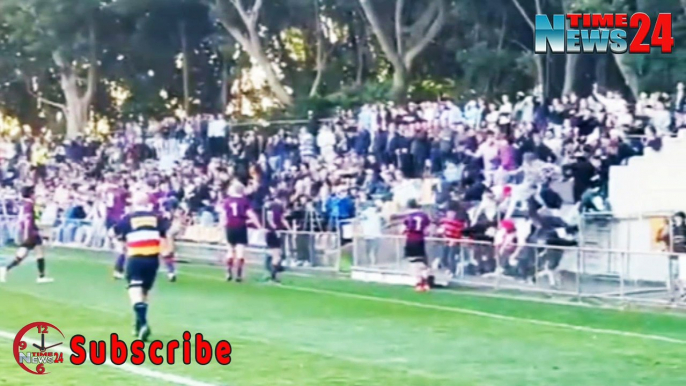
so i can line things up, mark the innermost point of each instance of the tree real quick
(61, 38)
(242, 23)
(401, 43)
(167, 38)
(540, 64)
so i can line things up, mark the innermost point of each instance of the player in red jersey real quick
(116, 200)
(31, 239)
(236, 213)
(415, 226)
(450, 228)
(173, 222)
(276, 223)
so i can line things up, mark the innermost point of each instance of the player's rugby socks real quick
(268, 262)
(229, 266)
(169, 262)
(141, 310)
(41, 267)
(241, 263)
(119, 263)
(275, 271)
(14, 263)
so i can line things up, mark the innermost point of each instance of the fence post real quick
(398, 253)
(622, 275)
(355, 246)
(579, 255)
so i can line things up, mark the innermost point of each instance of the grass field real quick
(321, 332)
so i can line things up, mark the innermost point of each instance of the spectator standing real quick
(216, 136)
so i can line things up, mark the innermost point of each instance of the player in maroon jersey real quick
(236, 214)
(415, 226)
(156, 196)
(116, 199)
(275, 223)
(31, 239)
(173, 219)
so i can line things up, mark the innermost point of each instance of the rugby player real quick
(31, 239)
(275, 224)
(116, 199)
(156, 195)
(236, 214)
(173, 218)
(415, 226)
(143, 231)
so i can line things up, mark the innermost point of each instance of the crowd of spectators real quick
(483, 161)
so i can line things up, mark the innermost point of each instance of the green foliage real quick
(490, 72)
(483, 48)
(430, 89)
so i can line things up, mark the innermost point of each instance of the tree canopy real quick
(65, 63)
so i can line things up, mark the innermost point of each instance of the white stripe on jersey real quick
(142, 235)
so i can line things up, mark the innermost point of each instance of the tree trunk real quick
(250, 41)
(360, 42)
(224, 98)
(630, 76)
(76, 107)
(186, 75)
(77, 99)
(571, 62)
(320, 55)
(273, 80)
(540, 71)
(399, 89)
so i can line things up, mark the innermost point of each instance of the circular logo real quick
(37, 346)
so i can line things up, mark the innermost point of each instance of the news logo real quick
(576, 33)
(33, 353)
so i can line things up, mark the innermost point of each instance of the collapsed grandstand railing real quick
(573, 272)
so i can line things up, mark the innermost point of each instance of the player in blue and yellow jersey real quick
(30, 237)
(142, 231)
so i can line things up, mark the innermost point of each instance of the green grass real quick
(321, 332)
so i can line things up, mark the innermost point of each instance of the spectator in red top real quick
(450, 228)
(506, 245)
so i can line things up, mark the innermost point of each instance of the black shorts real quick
(415, 251)
(141, 272)
(237, 236)
(32, 242)
(273, 240)
(110, 223)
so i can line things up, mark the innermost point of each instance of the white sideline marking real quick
(466, 311)
(458, 310)
(129, 368)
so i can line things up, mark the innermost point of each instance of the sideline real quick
(126, 367)
(463, 311)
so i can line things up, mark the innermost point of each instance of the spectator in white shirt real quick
(216, 134)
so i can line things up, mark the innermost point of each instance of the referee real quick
(142, 231)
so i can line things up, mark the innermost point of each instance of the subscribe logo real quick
(40, 345)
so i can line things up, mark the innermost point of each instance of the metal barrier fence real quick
(321, 250)
(573, 272)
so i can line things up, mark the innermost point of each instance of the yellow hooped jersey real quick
(142, 232)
